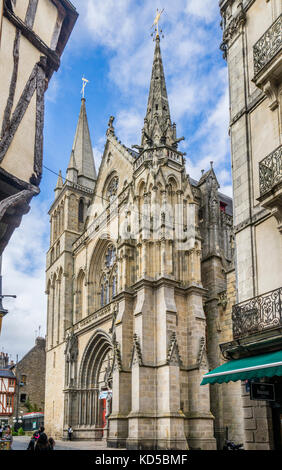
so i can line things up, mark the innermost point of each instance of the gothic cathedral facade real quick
(137, 263)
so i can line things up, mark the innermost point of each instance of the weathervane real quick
(85, 81)
(156, 23)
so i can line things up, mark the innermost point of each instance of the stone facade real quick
(135, 253)
(252, 46)
(30, 372)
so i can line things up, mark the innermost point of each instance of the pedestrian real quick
(8, 436)
(51, 443)
(42, 443)
(33, 440)
(41, 429)
(70, 431)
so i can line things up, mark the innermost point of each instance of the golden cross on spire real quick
(84, 83)
(156, 21)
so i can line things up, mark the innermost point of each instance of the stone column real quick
(142, 431)
(121, 400)
(200, 419)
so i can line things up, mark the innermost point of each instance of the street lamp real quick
(17, 420)
(3, 311)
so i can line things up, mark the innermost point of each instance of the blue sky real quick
(112, 47)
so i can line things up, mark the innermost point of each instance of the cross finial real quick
(156, 21)
(84, 83)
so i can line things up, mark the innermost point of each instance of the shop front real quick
(262, 377)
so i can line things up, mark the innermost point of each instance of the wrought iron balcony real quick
(257, 314)
(268, 45)
(270, 171)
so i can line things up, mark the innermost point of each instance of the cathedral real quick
(136, 280)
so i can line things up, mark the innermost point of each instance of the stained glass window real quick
(112, 187)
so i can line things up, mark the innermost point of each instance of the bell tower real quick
(68, 215)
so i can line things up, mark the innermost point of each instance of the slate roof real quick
(132, 152)
(7, 373)
(222, 197)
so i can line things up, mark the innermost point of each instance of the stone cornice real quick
(255, 101)
(99, 316)
(69, 186)
(255, 220)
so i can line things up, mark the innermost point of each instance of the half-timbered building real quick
(33, 36)
(7, 393)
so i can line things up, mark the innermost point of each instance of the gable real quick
(115, 172)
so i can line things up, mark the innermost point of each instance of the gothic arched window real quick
(114, 286)
(107, 292)
(112, 188)
(102, 295)
(110, 256)
(108, 284)
(81, 211)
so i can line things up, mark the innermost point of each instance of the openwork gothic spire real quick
(158, 129)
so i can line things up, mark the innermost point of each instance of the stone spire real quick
(59, 185)
(72, 171)
(82, 153)
(158, 129)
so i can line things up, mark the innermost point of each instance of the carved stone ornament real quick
(117, 363)
(173, 356)
(202, 356)
(222, 300)
(271, 91)
(233, 28)
(71, 350)
(111, 129)
(136, 357)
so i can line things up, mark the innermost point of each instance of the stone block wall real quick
(257, 423)
(33, 367)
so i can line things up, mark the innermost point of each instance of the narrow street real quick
(21, 443)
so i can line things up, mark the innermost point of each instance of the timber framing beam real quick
(52, 56)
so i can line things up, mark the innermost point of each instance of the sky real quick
(111, 45)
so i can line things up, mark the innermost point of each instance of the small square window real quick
(23, 398)
(23, 380)
(9, 400)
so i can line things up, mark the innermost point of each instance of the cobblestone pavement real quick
(21, 443)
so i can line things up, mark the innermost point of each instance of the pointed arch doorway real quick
(95, 386)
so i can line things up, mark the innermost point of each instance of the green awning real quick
(266, 365)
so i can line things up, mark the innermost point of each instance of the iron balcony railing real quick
(268, 45)
(270, 171)
(257, 314)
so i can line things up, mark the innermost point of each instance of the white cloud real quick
(203, 9)
(129, 125)
(24, 275)
(110, 22)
